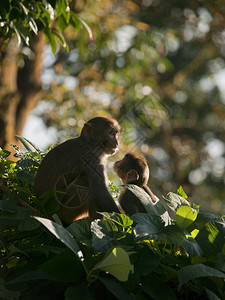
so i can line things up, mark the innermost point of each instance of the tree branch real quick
(21, 202)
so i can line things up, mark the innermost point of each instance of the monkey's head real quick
(133, 168)
(103, 132)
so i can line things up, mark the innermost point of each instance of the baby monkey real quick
(133, 169)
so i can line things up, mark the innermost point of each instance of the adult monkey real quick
(77, 166)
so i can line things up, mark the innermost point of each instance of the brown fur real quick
(77, 167)
(133, 169)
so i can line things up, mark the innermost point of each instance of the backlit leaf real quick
(30, 146)
(117, 263)
(62, 234)
(185, 215)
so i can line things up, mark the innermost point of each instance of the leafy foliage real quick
(25, 18)
(118, 257)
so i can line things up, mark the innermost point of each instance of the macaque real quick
(133, 169)
(77, 168)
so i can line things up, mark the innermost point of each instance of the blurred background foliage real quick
(157, 66)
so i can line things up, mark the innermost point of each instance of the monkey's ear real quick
(132, 176)
(87, 130)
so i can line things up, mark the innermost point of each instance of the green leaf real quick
(198, 260)
(157, 289)
(194, 233)
(175, 201)
(61, 23)
(146, 262)
(62, 234)
(211, 295)
(31, 275)
(8, 294)
(23, 32)
(172, 202)
(9, 204)
(61, 6)
(51, 38)
(17, 35)
(30, 146)
(220, 262)
(26, 11)
(117, 263)
(61, 38)
(45, 20)
(76, 21)
(79, 292)
(185, 215)
(181, 193)
(223, 249)
(66, 14)
(25, 177)
(81, 230)
(211, 238)
(64, 267)
(120, 219)
(103, 235)
(174, 234)
(149, 226)
(179, 237)
(4, 153)
(33, 25)
(158, 208)
(50, 201)
(56, 219)
(191, 246)
(143, 197)
(196, 271)
(86, 27)
(213, 232)
(17, 213)
(116, 289)
(28, 223)
(204, 217)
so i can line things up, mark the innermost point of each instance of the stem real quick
(21, 202)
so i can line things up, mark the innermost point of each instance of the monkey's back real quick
(60, 161)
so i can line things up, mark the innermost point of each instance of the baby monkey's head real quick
(133, 168)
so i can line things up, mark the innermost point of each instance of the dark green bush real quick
(145, 256)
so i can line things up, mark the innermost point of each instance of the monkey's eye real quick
(114, 133)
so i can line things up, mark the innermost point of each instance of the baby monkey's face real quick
(121, 167)
(132, 168)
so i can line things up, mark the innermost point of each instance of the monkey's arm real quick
(99, 192)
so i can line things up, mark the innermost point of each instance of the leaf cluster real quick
(25, 18)
(174, 250)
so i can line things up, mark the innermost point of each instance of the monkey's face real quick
(132, 168)
(110, 143)
(103, 132)
(121, 168)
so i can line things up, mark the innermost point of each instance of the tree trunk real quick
(20, 88)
